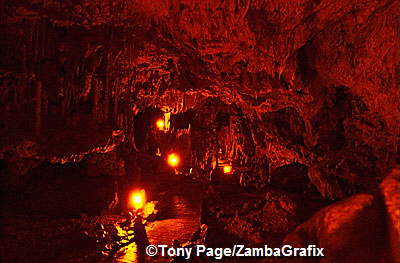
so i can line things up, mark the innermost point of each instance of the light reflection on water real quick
(180, 227)
(128, 254)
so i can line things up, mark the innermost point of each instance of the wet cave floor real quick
(184, 205)
(39, 238)
(28, 237)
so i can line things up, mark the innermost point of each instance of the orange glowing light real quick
(173, 160)
(137, 199)
(160, 124)
(227, 169)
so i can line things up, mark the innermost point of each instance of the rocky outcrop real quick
(390, 188)
(18, 160)
(105, 164)
(257, 218)
(352, 230)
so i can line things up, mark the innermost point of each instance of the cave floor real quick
(36, 238)
(27, 237)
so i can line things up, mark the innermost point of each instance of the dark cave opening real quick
(182, 120)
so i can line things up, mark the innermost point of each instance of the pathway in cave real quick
(180, 207)
(181, 227)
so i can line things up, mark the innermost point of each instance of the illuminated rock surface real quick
(300, 97)
(351, 230)
(390, 188)
(315, 82)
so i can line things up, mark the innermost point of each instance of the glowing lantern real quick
(160, 124)
(137, 199)
(173, 160)
(227, 169)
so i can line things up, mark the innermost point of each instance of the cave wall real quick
(308, 82)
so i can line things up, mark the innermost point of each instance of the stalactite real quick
(96, 98)
(33, 47)
(67, 101)
(62, 98)
(45, 103)
(38, 98)
(115, 110)
(24, 69)
(107, 87)
(15, 96)
(2, 11)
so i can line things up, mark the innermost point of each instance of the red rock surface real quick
(351, 230)
(315, 82)
(390, 188)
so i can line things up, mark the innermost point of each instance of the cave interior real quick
(126, 123)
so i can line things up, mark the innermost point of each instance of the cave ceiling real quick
(266, 54)
(322, 67)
